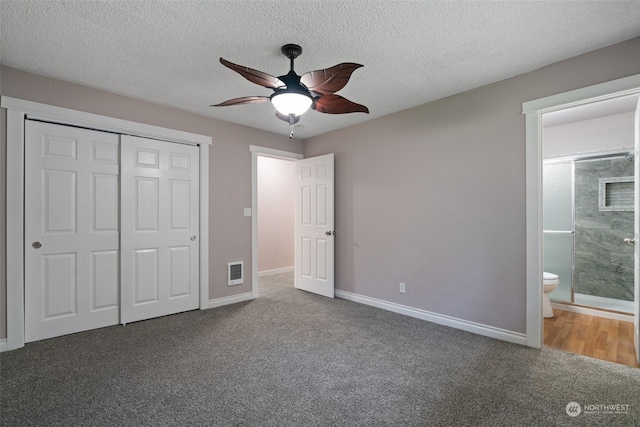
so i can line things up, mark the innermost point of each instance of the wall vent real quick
(616, 194)
(235, 273)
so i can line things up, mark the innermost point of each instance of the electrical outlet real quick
(403, 288)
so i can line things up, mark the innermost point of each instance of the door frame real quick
(18, 110)
(257, 151)
(533, 111)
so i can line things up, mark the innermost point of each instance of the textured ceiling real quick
(413, 52)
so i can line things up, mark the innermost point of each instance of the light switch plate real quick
(247, 211)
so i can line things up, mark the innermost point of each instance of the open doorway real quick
(534, 111)
(272, 257)
(275, 215)
(314, 215)
(588, 226)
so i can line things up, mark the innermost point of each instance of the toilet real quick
(549, 282)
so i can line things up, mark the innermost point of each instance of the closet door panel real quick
(105, 273)
(160, 228)
(71, 224)
(146, 278)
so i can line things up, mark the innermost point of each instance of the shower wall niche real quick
(603, 219)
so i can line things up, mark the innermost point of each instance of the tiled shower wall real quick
(603, 262)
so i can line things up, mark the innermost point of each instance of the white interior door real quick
(314, 230)
(71, 230)
(636, 236)
(160, 228)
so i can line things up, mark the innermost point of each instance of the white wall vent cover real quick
(235, 273)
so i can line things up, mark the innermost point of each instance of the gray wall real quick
(434, 196)
(229, 165)
(603, 262)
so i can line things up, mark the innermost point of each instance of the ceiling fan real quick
(293, 95)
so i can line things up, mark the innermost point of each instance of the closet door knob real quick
(193, 238)
(36, 245)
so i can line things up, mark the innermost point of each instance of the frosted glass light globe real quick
(291, 103)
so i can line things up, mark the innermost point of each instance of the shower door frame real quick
(573, 158)
(556, 160)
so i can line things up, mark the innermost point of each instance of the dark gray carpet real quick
(291, 358)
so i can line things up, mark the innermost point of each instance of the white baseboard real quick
(593, 312)
(3, 345)
(275, 271)
(219, 302)
(465, 325)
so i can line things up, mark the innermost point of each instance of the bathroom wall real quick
(587, 136)
(603, 262)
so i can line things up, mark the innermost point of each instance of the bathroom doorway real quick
(588, 226)
(536, 112)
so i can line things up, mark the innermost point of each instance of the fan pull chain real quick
(291, 122)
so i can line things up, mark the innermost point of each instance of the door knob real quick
(36, 245)
(630, 241)
(193, 238)
(329, 233)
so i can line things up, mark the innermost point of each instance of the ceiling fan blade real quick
(336, 104)
(286, 118)
(329, 80)
(243, 100)
(254, 76)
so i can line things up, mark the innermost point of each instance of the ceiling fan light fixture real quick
(289, 103)
(293, 95)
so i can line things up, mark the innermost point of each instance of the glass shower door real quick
(558, 230)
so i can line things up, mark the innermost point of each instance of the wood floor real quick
(591, 336)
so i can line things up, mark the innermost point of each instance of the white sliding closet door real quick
(160, 228)
(71, 230)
